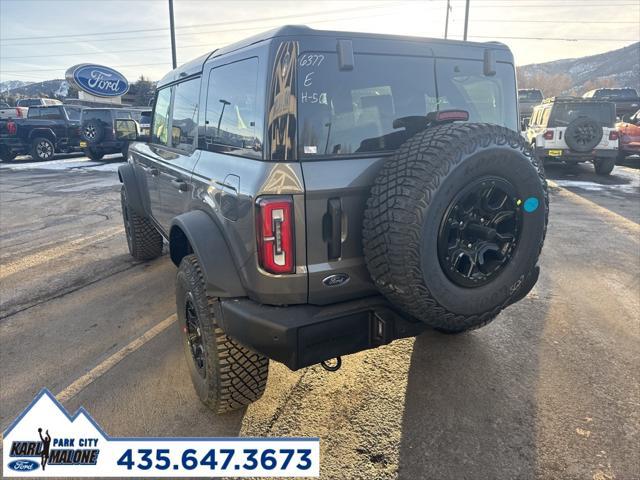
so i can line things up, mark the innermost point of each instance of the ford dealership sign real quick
(98, 80)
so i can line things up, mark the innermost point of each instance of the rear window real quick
(353, 111)
(29, 102)
(73, 113)
(564, 113)
(101, 115)
(530, 96)
(45, 113)
(620, 94)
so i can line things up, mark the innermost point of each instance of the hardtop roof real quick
(196, 65)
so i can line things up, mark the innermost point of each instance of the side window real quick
(33, 112)
(184, 125)
(160, 132)
(233, 120)
(51, 113)
(121, 114)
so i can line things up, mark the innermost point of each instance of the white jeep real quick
(575, 130)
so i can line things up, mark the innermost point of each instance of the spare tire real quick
(455, 223)
(92, 131)
(583, 134)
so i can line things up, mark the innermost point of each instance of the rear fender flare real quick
(206, 241)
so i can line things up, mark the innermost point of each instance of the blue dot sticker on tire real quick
(531, 204)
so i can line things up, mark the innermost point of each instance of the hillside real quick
(58, 88)
(616, 68)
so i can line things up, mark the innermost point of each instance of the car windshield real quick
(620, 94)
(564, 113)
(344, 112)
(530, 96)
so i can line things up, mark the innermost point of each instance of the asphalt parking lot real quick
(550, 390)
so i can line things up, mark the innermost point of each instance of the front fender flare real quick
(127, 176)
(210, 247)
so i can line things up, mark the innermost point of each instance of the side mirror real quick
(127, 129)
(176, 135)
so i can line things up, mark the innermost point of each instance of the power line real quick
(138, 37)
(64, 68)
(232, 22)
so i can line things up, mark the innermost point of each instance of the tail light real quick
(12, 128)
(613, 135)
(275, 234)
(548, 135)
(452, 115)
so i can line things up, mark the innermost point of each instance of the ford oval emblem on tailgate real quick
(336, 280)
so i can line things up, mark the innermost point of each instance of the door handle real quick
(334, 208)
(154, 172)
(180, 185)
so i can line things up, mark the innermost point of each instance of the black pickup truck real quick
(47, 130)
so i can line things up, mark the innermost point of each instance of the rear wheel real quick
(455, 224)
(42, 149)
(604, 166)
(225, 374)
(144, 241)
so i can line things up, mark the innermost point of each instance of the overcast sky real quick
(143, 47)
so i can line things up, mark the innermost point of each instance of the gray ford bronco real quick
(324, 193)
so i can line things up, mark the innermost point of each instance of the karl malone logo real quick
(62, 453)
(98, 80)
(45, 439)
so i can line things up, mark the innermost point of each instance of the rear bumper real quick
(571, 156)
(303, 335)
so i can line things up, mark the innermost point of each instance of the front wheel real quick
(42, 149)
(93, 154)
(604, 166)
(225, 374)
(6, 155)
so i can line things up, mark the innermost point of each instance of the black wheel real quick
(225, 374)
(144, 241)
(583, 134)
(455, 223)
(42, 149)
(604, 166)
(94, 154)
(6, 155)
(92, 131)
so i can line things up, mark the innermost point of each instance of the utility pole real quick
(173, 35)
(466, 20)
(446, 20)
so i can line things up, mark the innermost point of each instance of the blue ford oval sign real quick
(98, 80)
(23, 465)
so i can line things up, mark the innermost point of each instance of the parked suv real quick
(574, 130)
(98, 134)
(626, 100)
(321, 196)
(527, 99)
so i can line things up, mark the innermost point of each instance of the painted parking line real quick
(618, 221)
(103, 367)
(56, 251)
(99, 370)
